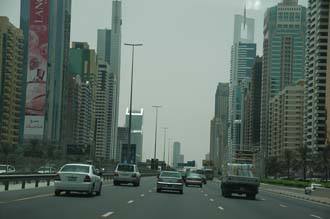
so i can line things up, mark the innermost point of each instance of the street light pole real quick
(131, 96)
(169, 151)
(155, 150)
(165, 128)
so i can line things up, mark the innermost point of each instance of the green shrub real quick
(292, 183)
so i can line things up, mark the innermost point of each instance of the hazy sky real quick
(186, 53)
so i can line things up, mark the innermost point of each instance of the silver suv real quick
(126, 173)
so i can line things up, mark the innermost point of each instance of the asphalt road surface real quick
(123, 202)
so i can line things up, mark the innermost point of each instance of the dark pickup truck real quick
(238, 178)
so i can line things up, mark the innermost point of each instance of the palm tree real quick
(325, 160)
(303, 157)
(6, 149)
(288, 157)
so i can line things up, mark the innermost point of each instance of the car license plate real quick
(72, 178)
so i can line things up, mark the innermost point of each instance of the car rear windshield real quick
(240, 170)
(193, 175)
(200, 171)
(75, 168)
(171, 174)
(126, 168)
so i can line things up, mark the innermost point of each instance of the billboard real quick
(35, 104)
(128, 153)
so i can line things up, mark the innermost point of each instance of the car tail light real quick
(87, 179)
(134, 175)
(116, 174)
(57, 177)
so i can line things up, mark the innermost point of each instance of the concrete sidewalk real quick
(294, 193)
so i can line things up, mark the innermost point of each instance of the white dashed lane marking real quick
(150, 190)
(283, 206)
(221, 208)
(315, 216)
(130, 202)
(205, 195)
(142, 195)
(107, 214)
(211, 200)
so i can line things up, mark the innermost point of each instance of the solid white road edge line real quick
(313, 215)
(107, 214)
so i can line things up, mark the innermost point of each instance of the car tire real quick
(115, 183)
(98, 193)
(201, 185)
(187, 185)
(181, 192)
(57, 192)
(251, 196)
(225, 193)
(158, 190)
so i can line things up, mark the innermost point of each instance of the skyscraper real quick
(243, 53)
(104, 58)
(58, 60)
(102, 108)
(219, 126)
(176, 153)
(79, 92)
(85, 128)
(283, 55)
(136, 131)
(252, 126)
(46, 29)
(121, 140)
(11, 73)
(104, 44)
(115, 59)
(317, 75)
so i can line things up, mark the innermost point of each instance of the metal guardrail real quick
(37, 178)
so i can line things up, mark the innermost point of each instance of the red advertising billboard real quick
(35, 104)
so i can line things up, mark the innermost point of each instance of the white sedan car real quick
(78, 178)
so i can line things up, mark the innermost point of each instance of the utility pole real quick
(155, 149)
(165, 128)
(131, 96)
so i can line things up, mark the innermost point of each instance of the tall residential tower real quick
(243, 53)
(115, 58)
(283, 56)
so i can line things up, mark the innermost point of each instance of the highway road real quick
(123, 202)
